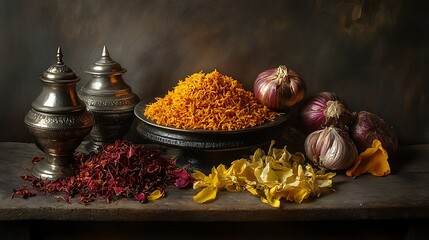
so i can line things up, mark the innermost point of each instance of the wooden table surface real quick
(401, 195)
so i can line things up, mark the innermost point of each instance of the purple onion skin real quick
(367, 126)
(312, 114)
(279, 88)
(265, 92)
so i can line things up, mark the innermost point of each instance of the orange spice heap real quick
(209, 101)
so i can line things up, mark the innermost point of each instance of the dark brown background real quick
(374, 54)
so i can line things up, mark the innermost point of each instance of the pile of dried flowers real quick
(119, 170)
(273, 176)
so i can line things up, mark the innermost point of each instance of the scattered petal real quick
(183, 178)
(271, 199)
(157, 194)
(23, 192)
(207, 194)
(141, 197)
(373, 160)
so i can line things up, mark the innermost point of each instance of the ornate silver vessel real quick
(110, 99)
(58, 120)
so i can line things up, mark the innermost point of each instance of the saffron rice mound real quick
(209, 101)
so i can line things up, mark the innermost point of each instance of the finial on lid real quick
(106, 65)
(59, 56)
(59, 71)
(105, 52)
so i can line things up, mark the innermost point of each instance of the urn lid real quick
(106, 90)
(59, 71)
(59, 91)
(106, 65)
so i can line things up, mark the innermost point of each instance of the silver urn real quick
(58, 121)
(110, 99)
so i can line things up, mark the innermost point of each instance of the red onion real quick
(279, 88)
(367, 126)
(331, 148)
(325, 109)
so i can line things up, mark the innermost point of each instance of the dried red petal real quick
(22, 192)
(153, 168)
(119, 190)
(131, 152)
(184, 179)
(66, 198)
(141, 197)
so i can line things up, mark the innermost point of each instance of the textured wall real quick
(374, 54)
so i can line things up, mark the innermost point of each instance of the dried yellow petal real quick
(252, 190)
(207, 194)
(155, 195)
(266, 175)
(292, 194)
(271, 199)
(198, 175)
(373, 160)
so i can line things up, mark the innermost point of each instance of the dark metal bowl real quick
(210, 145)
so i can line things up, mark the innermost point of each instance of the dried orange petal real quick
(373, 160)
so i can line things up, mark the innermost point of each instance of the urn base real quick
(51, 169)
(94, 146)
(59, 146)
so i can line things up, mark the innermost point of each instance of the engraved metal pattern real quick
(196, 141)
(125, 103)
(59, 122)
(54, 69)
